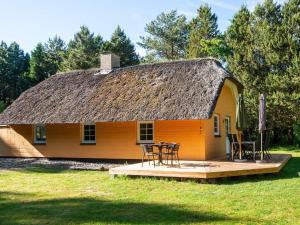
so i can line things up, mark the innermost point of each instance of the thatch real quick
(181, 90)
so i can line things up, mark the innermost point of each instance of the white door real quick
(228, 131)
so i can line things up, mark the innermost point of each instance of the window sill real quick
(39, 143)
(86, 143)
(144, 143)
(217, 135)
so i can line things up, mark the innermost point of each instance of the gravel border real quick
(71, 164)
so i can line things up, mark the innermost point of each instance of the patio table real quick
(160, 148)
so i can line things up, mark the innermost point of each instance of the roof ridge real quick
(142, 65)
(172, 62)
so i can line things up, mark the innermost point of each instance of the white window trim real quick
(138, 132)
(34, 134)
(218, 119)
(82, 134)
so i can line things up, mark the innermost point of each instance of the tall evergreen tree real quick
(18, 70)
(3, 72)
(83, 51)
(265, 58)
(39, 64)
(46, 59)
(14, 67)
(167, 36)
(239, 38)
(121, 45)
(56, 50)
(204, 39)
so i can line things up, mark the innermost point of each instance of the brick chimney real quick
(108, 62)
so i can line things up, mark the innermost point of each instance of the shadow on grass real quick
(47, 168)
(33, 165)
(14, 210)
(286, 149)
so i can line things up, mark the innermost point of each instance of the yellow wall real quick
(226, 106)
(115, 140)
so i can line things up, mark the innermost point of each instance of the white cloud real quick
(252, 3)
(140, 50)
(188, 14)
(218, 3)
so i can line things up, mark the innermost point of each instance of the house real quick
(108, 112)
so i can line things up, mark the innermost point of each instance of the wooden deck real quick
(204, 169)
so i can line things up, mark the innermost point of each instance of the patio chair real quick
(247, 147)
(149, 153)
(266, 146)
(234, 146)
(172, 151)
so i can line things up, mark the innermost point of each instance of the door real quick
(228, 131)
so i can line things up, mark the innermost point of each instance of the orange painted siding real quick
(226, 106)
(114, 140)
(188, 134)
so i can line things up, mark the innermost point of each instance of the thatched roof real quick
(181, 90)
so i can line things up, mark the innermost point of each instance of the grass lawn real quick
(48, 196)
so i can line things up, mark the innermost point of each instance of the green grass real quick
(48, 196)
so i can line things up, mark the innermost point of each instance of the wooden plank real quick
(204, 169)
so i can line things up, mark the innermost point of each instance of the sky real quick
(32, 21)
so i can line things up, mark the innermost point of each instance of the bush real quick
(297, 133)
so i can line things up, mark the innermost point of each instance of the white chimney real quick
(108, 62)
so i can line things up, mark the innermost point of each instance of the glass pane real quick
(86, 138)
(92, 127)
(149, 131)
(92, 133)
(142, 126)
(143, 132)
(40, 133)
(92, 138)
(149, 137)
(149, 125)
(143, 137)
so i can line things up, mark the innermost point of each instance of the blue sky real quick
(32, 21)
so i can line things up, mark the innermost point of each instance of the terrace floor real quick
(204, 169)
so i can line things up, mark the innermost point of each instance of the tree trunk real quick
(290, 136)
(277, 136)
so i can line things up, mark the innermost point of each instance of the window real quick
(145, 132)
(89, 133)
(216, 125)
(39, 134)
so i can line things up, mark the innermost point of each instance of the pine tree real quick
(239, 38)
(46, 59)
(167, 36)
(14, 68)
(121, 45)
(83, 51)
(204, 39)
(265, 57)
(39, 64)
(56, 50)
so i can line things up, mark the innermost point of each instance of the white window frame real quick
(34, 133)
(216, 133)
(83, 136)
(139, 132)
